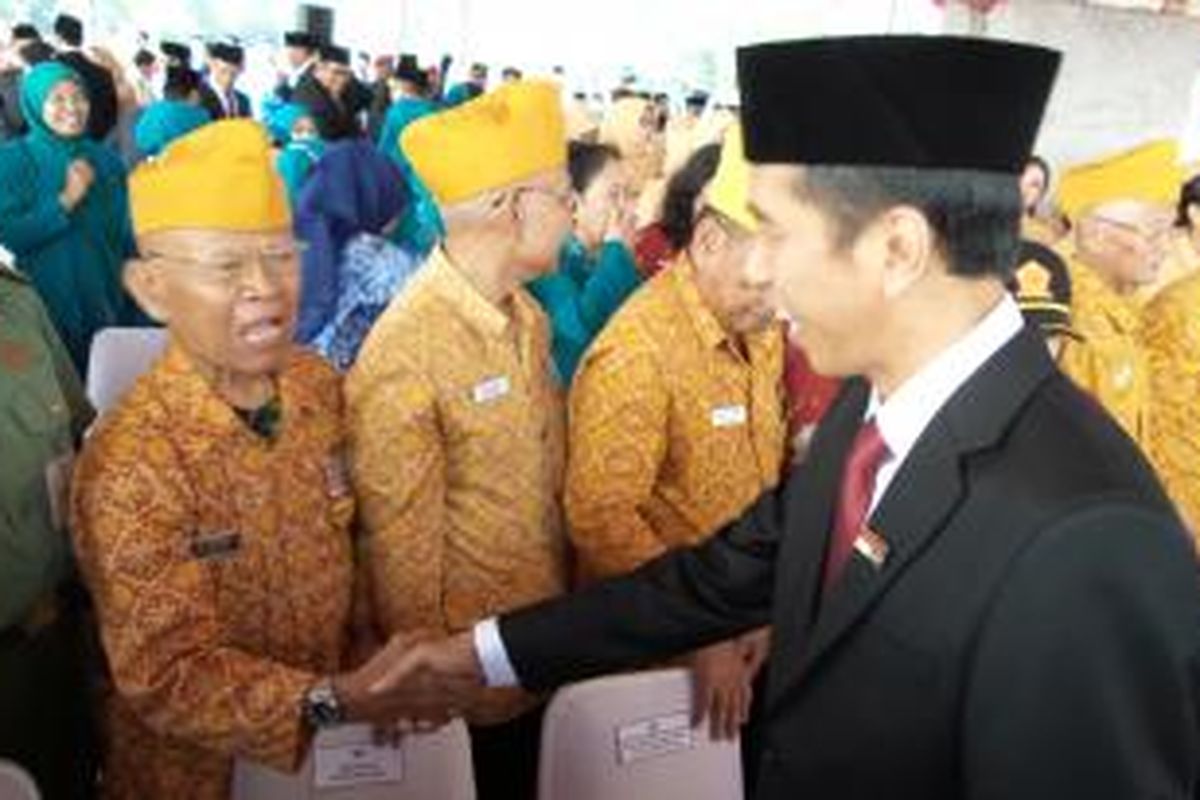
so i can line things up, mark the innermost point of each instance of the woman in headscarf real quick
(177, 114)
(294, 129)
(64, 210)
(352, 204)
(422, 224)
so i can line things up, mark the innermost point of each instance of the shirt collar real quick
(704, 322)
(476, 309)
(903, 417)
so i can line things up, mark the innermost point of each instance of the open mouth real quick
(265, 332)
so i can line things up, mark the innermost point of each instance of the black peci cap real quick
(935, 102)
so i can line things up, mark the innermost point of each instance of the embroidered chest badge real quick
(873, 547)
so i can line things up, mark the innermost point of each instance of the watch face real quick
(321, 708)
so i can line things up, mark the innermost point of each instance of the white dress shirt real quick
(901, 418)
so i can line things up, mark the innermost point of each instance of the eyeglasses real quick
(1155, 233)
(233, 269)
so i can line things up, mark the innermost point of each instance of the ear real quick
(708, 236)
(908, 245)
(1193, 215)
(146, 282)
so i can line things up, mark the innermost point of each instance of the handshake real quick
(417, 682)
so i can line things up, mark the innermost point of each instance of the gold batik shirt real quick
(1108, 361)
(221, 566)
(1172, 337)
(457, 433)
(675, 428)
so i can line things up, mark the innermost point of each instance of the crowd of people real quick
(888, 435)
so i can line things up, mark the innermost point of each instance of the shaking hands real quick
(417, 682)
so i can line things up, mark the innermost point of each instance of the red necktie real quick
(867, 454)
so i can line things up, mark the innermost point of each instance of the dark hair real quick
(1189, 195)
(143, 58)
(975, 215)
(69, 29)
(512, 72)
(35, 52)
(1043, 165)
(678, 216)
(24, 30)
(586, 160)
(180, 83)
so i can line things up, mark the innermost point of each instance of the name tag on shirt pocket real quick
(491, 390)
(729, 416)
(215, 545)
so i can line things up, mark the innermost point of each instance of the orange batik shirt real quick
(1172, 337)
(1108, 360)
(221, 565)
(457, 434)
(674, 428)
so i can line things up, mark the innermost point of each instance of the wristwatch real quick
(321, 707)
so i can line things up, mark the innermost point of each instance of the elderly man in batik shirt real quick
(212, 508)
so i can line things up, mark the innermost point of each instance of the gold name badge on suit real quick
(873, 547)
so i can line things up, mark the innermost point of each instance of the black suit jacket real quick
(334, 120)
(212, 104)
(102, 93)
(1033, 632)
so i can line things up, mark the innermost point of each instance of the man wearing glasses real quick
(1121, 207)
(455, 423)
(212, 508)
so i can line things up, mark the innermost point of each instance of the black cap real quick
(229, 53)
(69, 29)
(1042, 286)
(300, 39)
(335, 54)
(697, 100)
(409, 69)
(181, 80)
(180, 52)
(936, 102)
(24, 30)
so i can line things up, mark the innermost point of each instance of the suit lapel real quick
(811, 494)
(926, 492)
(922, 496)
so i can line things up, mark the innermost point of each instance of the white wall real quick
(1127, 76)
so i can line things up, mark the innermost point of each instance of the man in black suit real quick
(325, 91)
(102, 91)
(300, 56)
(976, 585)
(219, 94)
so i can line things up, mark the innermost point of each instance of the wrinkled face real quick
(1033, 187)
(223, 73)
(738, 296)
(1127, 241)
(543, 210)
(828, 294)
(229, 298)
(602, 202)
(66, 110)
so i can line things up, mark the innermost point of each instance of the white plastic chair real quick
(434, 766)
(118, 357)
(15, 783)
(630, 736)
